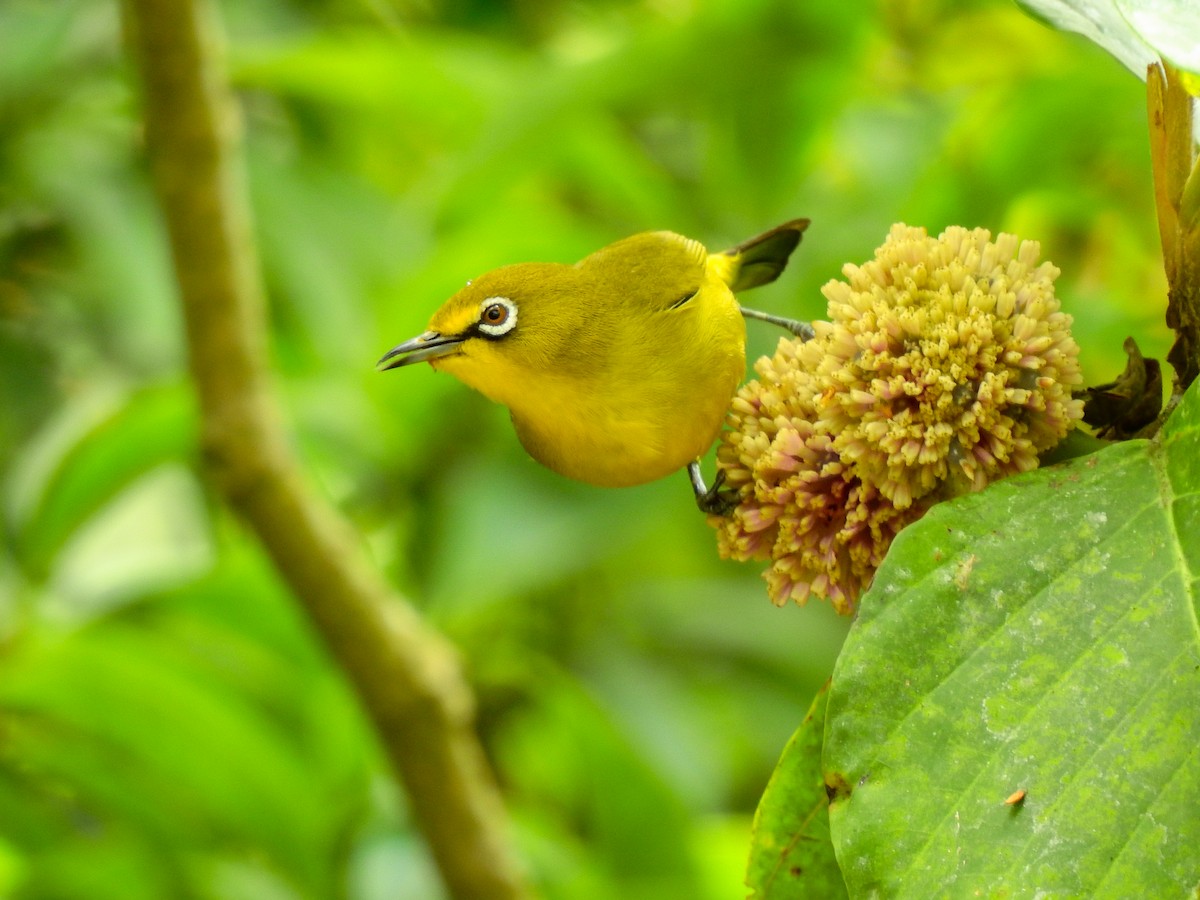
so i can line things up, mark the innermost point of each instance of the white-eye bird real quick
(619, 369)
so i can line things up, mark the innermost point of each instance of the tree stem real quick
(407, 676)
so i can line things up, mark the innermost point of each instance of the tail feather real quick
(761, 259)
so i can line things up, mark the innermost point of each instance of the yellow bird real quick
(619, 369)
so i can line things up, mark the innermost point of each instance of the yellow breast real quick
(658, 405)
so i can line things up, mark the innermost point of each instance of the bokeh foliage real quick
(168, 725)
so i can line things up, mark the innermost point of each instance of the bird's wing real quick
(650, 271)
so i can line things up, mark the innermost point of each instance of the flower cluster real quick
(945, 363)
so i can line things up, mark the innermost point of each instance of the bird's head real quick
(502, 331)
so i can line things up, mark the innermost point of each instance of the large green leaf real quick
(791, 855)
(1040, 636)
(1134, 31)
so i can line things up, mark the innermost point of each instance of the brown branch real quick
(407, 676)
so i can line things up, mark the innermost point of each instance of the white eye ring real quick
(497, 316)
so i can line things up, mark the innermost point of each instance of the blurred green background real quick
(169, 727)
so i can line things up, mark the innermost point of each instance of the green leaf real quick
(125, 723)
(1171, 27)
(1040, 636)
(791, 854)
(154, 426)
(1136, 32)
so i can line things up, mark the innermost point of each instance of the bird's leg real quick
(802, 330)
(711, 500)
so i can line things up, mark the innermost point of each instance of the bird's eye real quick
(497, 316)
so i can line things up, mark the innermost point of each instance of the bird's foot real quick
(712, 501)
(802, 330)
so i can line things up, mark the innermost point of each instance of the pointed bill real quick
(423, 347)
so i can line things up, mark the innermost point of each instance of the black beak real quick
(429, 345)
